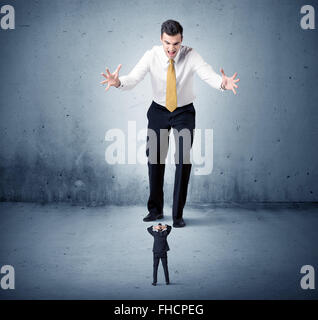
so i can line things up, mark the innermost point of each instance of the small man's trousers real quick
(164, 261)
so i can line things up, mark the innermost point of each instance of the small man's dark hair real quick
(159, 224)
(171, 28)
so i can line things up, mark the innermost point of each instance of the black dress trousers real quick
(160, 122)
(164, 261)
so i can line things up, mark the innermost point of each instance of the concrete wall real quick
(54, 113)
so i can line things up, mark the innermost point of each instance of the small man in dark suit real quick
(160, 248)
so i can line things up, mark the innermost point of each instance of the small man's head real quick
(171, 37)
(160, 226)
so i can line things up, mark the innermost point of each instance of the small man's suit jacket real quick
(160, 244)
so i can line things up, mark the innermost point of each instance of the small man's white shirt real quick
(187, 63)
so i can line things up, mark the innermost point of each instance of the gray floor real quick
(225, 252)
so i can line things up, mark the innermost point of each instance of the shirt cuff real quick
(122, 83)
(220, 87)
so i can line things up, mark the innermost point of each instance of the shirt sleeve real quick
(205, 71)
(137, 74)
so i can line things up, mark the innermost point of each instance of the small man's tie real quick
(171, 93)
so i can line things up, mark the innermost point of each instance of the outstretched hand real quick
(111, 78)
(229, 82)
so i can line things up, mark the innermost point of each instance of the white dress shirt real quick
(187, 62)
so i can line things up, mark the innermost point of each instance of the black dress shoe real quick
(179, 223)
(154, 283)
(152, 217)
(167, 282)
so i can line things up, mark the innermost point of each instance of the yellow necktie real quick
(171, 94)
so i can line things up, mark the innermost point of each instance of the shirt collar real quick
(166, 59)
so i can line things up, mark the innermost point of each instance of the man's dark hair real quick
(159, 224)
(171, 28)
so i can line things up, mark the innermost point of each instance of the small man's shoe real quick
(152, 217)
(154, 283)
(179, 224)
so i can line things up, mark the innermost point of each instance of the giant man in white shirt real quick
(187, 62)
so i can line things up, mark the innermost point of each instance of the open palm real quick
(111, 78)
(229, 82)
